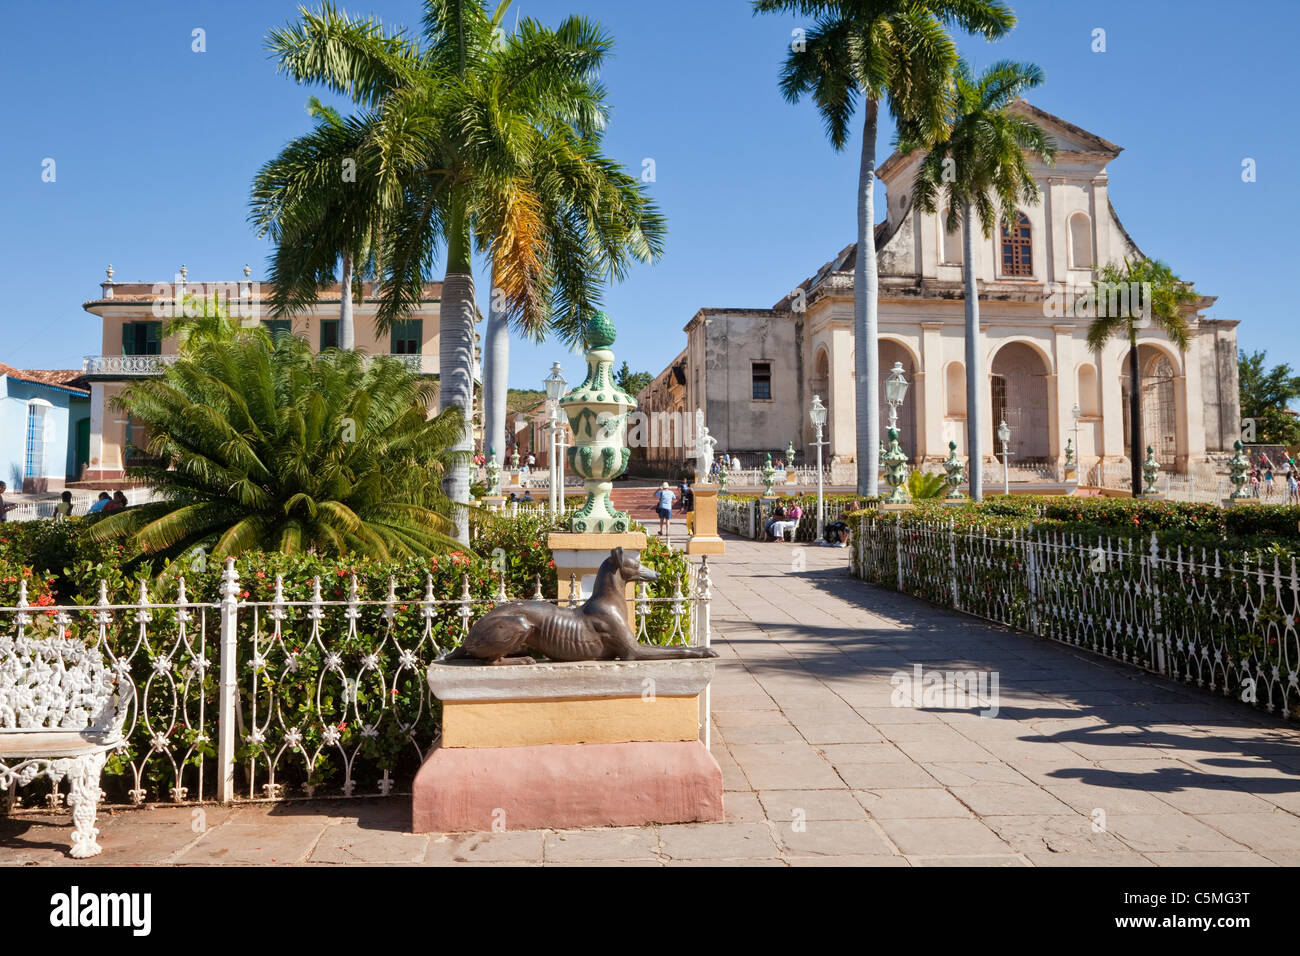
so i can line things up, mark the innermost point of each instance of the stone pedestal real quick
(1231, 502)
(555, 745)
(494, 502)
(704, 533)
(581, 555)
(896, 506)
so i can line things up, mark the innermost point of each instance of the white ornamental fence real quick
(247, 699)
(81, 502)
(1230, 627)
(1202, 489)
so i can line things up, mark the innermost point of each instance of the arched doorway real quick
(1159, 404)
(891, 352)
(1019, 385)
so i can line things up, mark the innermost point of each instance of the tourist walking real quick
(4, 508)
(664, 496)
(1292, 490)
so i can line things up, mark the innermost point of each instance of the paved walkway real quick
(1086, 763)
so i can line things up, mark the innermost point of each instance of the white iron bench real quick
(61, 712)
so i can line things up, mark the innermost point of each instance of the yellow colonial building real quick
(133, 317)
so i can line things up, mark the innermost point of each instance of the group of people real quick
(1264, 484)
(783, 519)
(106, 504)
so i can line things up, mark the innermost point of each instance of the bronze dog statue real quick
(594, 632)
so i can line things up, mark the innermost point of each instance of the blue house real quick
(44, 427)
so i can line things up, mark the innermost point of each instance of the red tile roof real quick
(58, 377)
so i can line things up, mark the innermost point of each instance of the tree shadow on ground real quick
(1143, 716)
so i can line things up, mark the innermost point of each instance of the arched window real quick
(1080, 242)
(951, 241)
(1017, 248)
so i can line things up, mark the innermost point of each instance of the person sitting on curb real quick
(835, 534)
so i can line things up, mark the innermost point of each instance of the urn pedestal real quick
(581, 556)
(562, 745)
(704, 539)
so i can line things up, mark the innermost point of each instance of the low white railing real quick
(126, 364)
(81, 502)
(419, 364)
(1203, 489)
(753, 478)
(239, 698)
(1198, 617)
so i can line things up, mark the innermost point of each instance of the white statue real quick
(704, 455)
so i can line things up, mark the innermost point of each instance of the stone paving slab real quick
(1087, 763)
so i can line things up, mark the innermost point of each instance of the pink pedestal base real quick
(560, 786)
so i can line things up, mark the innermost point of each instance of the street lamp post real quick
(818, 416)
(1004, 435)
(555, 384)
(895, 392)
(1078, 454)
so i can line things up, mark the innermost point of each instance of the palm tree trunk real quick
(347, 331)
(456, 358)
(974, 366)
(496, 374)
(865, 315)
(1135, 416)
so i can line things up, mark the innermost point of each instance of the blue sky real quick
(155, 146)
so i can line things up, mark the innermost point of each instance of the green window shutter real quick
(153, 338)
(407, 337)
(329, 334)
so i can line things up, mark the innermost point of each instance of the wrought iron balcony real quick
(127, 366)
(419, 364)
(139, 366)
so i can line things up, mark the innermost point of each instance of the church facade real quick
(755, 371)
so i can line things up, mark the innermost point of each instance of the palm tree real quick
(1147, 293)
(461, 117)
(576, 221)
(981, 170)
(201, 319)
(322, 200)
(894, 50)
(263, 445)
